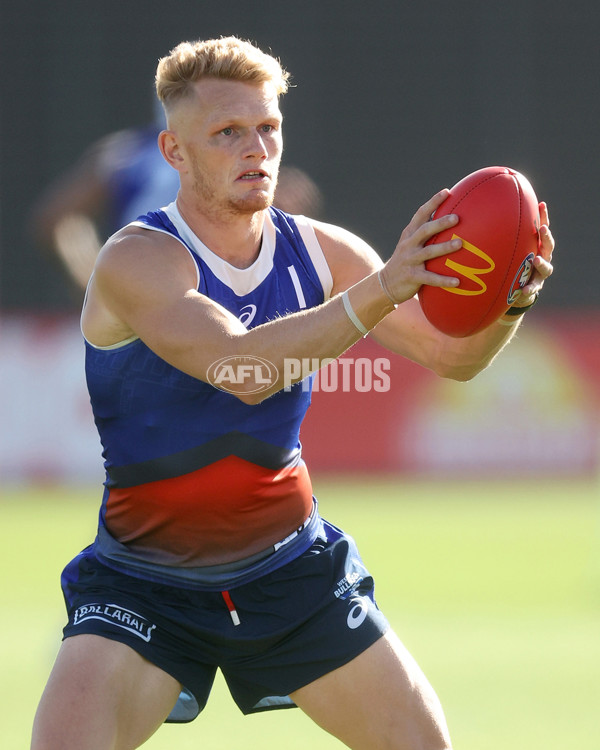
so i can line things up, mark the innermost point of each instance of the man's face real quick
(229, 134)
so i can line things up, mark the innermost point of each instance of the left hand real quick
(542, 263)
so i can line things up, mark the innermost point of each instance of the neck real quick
(234, 236)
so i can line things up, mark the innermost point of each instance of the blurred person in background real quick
(119, 178)
(210, 551)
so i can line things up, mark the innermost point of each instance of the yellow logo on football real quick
(469, 272)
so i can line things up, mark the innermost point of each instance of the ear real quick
(169, 148)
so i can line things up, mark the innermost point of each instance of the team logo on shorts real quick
(348, 585)
(115, 615)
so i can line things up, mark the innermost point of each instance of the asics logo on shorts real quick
(115, 615)
(358, 613)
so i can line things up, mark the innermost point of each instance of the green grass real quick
(494, 588)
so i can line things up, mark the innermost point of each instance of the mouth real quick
(255, 174)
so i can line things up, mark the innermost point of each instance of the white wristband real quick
(352, 315)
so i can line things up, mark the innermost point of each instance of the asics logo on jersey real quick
(247, 314)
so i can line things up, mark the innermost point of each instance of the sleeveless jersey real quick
(191, 471)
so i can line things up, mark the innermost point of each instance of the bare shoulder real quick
(135, 256)
(349, 257)
(137, 269)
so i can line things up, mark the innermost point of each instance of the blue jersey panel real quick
(195, 477)
(145, 408)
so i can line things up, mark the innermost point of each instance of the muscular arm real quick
(145, 285)
(406, 331)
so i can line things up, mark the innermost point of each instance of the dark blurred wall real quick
(392, 101)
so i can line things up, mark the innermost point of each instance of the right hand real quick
(405, 271)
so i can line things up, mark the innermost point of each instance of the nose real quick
(256, 146)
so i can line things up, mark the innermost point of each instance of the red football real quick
(499, 227)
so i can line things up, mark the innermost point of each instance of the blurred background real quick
(390, 102)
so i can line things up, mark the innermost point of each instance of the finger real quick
(441, 248)
(530, 291)
(424, 213)
(528, 294)
(438, 279)
(434, 202)
(433, 227)
(434, 251)
(526, 297)
(543, 270)
(544, 219)
(543, 267)
(547, 243)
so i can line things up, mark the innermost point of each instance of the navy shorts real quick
(268, 637)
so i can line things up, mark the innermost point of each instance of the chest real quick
(288, 285)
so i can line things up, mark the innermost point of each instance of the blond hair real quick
(228, 57)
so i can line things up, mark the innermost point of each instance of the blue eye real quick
(227, 131)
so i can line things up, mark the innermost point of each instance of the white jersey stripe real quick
(315, 252)
(297, 286)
